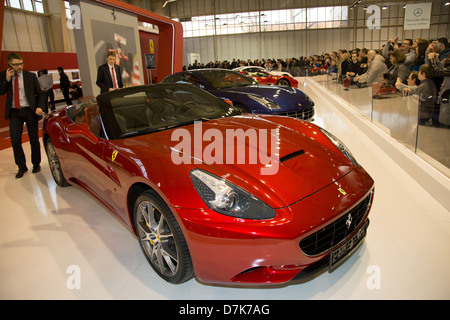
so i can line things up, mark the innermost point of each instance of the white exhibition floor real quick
(48, 234)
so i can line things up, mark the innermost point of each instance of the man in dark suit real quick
(24, 102)
(109, 76)
(64, 85)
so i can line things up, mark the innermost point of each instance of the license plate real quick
(338, 255)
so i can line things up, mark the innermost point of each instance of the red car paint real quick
(267, 78)
(380, 89)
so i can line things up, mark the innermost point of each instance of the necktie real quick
(16, 91)
(114, 77)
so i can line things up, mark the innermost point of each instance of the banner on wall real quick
(417, 16)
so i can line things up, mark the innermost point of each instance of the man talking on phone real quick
(24, 101)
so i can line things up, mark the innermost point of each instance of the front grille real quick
(303, 114)
(332, 234)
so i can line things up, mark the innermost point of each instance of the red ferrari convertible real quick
(210, 192)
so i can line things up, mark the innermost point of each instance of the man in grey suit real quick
(377, 68)
(24, 102)
(109, 76)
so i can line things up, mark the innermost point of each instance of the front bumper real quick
(303, 113)
(229, 250)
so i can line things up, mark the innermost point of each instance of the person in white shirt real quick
(46, 83)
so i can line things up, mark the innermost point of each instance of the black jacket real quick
(353, 67)
(104, 79)
(33, 91)
(64, 82)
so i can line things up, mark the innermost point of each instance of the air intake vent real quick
(334, 233)
(292, 155)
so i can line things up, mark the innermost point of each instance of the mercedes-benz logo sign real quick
(348, 222)
(418, 12)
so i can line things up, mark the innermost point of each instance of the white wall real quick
(283, 44)
(24, 31)
(36, 32)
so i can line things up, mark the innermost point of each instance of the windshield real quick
(219, 79)
(145, 109)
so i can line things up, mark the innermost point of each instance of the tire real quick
(55, 165)
(161, 239)
(283, 82)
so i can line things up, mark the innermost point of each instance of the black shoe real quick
(21, 172)
(36, 169)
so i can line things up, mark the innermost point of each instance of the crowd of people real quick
(409, 65)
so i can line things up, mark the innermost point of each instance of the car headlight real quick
(226, 198)
(309, 99)
(269, 104)
(341, 146)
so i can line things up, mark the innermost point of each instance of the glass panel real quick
(299, 15)
(396, 113)
(15, 4)
(196, 29)
(39, 6)
(270, 20)
(433, 134)
(68, 10)
(28, 5)
(420, 123)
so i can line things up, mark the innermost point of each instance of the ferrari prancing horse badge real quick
(114, 155)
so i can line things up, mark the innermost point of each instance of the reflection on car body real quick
(264, 76)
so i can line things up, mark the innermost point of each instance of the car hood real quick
(286, 97)
(290, 164)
